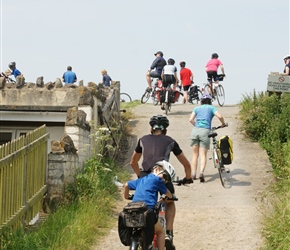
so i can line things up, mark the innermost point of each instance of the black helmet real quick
(11, 65)
(159, 122)
(215, 55)
(159, 52)
(182, 64)
(171, 61)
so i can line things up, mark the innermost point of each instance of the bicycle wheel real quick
(124, 97)
(223, 172)
(197, 98)
(220, 95)
(207, 89)
(154, 98)
(145, 97)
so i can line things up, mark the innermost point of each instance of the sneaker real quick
(169, 242)
(201, 177)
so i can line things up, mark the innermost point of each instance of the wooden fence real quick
(23, 178)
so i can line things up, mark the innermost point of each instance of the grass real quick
(266, 120)
(84, 217)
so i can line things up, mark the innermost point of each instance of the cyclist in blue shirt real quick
(147, 189)
(69, 76)
(15, 72)
(201, 118)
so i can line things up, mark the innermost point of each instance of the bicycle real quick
(216, 157)
(124, 97)
(170, 98)
(156, 85)
(194, 93)
(218, 92)
(7, 78)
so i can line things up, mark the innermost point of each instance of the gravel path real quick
(208, 215)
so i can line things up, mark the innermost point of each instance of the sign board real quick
(278, 83)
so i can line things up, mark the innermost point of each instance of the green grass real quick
(82, 219)
(266, 120)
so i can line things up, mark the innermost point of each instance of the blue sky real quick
(44, 37)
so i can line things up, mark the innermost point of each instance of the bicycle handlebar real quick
(215, 128)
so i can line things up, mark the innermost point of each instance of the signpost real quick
(278, 83)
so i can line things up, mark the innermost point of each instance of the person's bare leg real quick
(160, 235)
(185, 96)
(194, 161)
(149, 81)
(203, 158)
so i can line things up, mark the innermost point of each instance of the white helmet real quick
(286, 57)
(167, 167)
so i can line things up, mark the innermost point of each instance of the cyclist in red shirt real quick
(186, 78)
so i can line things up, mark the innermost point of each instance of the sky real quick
(121, 36)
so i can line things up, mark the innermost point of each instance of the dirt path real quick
(208, 215)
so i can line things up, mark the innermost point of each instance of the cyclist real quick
(287, 65)
(157, 147)
(212, 67)
(201, 118)
(155, 69)
(146, 189)
(169, 76)
(186, 78)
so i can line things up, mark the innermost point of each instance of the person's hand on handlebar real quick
(224, 125)
(131, 196)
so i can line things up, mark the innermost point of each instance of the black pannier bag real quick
(226, 147)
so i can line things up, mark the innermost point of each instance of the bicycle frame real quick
(216, 157)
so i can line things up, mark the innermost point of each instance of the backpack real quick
(226, 147)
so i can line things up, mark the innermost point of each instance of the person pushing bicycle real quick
(155, 147)
(201, 118)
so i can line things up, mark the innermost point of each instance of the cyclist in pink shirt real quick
(212, 66)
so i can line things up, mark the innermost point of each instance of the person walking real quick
(186, 78)
(201, 118)
(69, 76)
(106, 78)
(155, 147)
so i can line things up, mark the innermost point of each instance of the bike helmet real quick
(11, 65)
(206, 96)
(182, 64)
(159, 122)
(286, 57)
(167, 168)
(171, 61)
(215, 55)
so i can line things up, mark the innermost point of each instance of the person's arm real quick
(126, 191)
(222, 69)
(75, 78)
(168, 194)
(186, 164)
(219, 116)
(192, 118)
(134, 162)
(191, 78)
(287, 70)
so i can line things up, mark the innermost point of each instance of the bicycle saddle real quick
(212, 135)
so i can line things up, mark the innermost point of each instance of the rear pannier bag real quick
(226, 147)
(135, 214)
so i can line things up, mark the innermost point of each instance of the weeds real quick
(266, 120)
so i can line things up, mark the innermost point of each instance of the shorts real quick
(199, 137)
(169, 185)
(168, 80)
(186, 88)
(155, 74)
(212, 76)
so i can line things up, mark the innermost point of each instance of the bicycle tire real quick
(124, 97)
(154, 97)
(145, 97)
(220, 95)
(221, 169)
(207, 89)
(197, 99)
